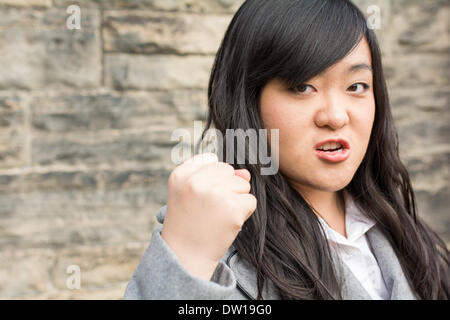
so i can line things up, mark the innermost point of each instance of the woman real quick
(338, 220)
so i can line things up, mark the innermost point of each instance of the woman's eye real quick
(359, 87)
(303, 89)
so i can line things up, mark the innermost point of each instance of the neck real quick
(329, 205)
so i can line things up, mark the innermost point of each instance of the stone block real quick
(199, 6)
(157, 72)
(158, 32)
(109, 110)
(13, 128)
(38, 50)
(25, 272)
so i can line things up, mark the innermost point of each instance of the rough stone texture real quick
(123, 71)
(26, 3)
(12, 130)
(156, 32)
(38, 51)
(42, 273)
(86, 118)
(199, 6)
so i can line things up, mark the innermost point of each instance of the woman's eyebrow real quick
(359, 66)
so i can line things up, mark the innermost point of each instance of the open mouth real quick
(333, 150)
(331, 147)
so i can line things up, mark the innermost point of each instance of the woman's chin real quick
(324, 184)
(332, 185)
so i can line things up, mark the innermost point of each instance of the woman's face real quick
(336, 104)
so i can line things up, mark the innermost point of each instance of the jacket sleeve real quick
(161, 276)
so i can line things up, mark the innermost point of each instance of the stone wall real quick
(86, 118)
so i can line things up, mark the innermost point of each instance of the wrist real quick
(191, 258)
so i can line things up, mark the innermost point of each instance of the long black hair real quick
(295, 40)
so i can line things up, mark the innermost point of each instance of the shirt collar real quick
(356, 223)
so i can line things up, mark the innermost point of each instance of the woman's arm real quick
(161, 276)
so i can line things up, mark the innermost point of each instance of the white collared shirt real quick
(355, 249)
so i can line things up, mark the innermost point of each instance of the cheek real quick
(272, 110)
(279, 114)
(368, 119)
(292, 130)
(363, 127)
(293, 142)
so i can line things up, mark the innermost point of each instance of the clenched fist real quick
(208, 202)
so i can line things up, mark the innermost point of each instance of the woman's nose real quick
(333, 114)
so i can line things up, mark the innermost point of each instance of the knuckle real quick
(236, 223)
(192, 185)
(248, 186)
(253, 202)
(216, 190)
(227, 167)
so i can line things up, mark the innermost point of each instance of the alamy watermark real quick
(74, 280)
(257, 151)
(74, 20)
(374, 18)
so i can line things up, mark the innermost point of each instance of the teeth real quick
(331, 146)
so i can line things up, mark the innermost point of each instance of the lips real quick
(333, 150)
(344, 143)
